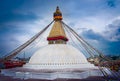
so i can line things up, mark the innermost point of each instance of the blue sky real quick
(97, 21)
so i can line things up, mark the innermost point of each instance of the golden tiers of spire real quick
(57, 34)
(57, 15)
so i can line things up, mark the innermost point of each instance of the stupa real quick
(57, 59)
(57, 55)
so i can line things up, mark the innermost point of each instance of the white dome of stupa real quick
(58, 56)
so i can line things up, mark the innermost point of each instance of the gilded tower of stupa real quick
(57, 34)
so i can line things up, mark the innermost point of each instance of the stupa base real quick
(51, 75)
(59, 66)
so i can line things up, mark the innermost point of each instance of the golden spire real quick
(57, 34)
(57, 15)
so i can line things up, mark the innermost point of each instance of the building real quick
(57, 59)
(57, 54)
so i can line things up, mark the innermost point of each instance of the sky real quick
(97, 21)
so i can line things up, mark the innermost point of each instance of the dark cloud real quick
(111, 3)
(90, 34)
(17, 17)
(112, 32)
(108, 42)
(95, 39)
(7, 6)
